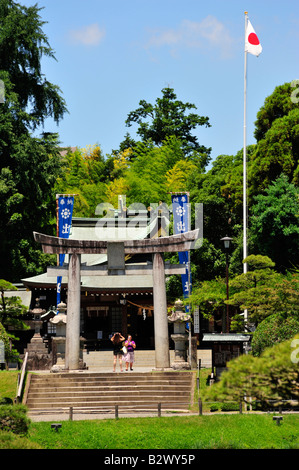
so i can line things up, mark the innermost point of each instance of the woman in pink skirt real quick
(129, 356)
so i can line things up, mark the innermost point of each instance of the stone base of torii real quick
(116, 251)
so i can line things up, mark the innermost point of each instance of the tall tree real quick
(277, 105)
(168, 117)
(277, 134)
(29, 165)
(274, 229)
(22, 46)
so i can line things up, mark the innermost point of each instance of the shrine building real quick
(108, 303)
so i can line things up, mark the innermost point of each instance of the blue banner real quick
(181, 223)
(65, 214)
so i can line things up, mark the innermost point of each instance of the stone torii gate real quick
(116, 251)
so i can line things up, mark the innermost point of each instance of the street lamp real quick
(226, 241)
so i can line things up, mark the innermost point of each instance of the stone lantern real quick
(38, 357)
(58, 341)
(37, 312)
(179, 336)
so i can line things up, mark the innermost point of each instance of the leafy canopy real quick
(166, 118)
(29, 165)
(274, 224)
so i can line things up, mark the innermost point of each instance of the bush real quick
(233, 406)
(13, 418)
(214, 407)
(6, 401)
(271, 378)
(274, 329)
(226, 406)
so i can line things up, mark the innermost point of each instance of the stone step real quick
(110, 388)
(110, 406)
(125, 377)
(101, 400)
(94, 401)
(69, 376)
(104, 393)
(95, 390)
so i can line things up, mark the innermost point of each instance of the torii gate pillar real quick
(72, 346)
(160, 315)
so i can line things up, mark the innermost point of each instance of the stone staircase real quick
(100, 392)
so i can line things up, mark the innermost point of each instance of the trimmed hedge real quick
(13, 418)
(226, 406)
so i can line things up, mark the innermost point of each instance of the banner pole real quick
(60, 258)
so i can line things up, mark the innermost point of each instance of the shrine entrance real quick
(116, 266)
(100, 321)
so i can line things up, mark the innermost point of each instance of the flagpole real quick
(245, 162)
(245, 155)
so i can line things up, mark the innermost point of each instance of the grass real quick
(192, 432)
(8, 383)
(214, 431)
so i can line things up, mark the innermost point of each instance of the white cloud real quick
(90, 35)
(206, 34)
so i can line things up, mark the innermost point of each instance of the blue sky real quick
(110, 55)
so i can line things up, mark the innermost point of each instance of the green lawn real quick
(8, 384)
(226, 431)
(213, 431)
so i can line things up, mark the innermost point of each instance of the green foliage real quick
(223, 431)
(168, 118)
(277, 132)
(5, 337)
(277, 105)
(209, 296)
(274, 376)
(146, 177)
(13, 418)
(274, 223)
(9, 441)
(22, 46)
(29, 165)
(11, 308)
(11, 312)
(8, 385)
(264, 292)
(274, 329)
(84, 173)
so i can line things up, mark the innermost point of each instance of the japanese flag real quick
(252, 43)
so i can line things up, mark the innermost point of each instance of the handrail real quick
(20, 385)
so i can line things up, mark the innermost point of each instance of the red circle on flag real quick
(253, 39)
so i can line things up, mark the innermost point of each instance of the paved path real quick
(64, 416)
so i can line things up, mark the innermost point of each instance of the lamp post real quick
(226, 241)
